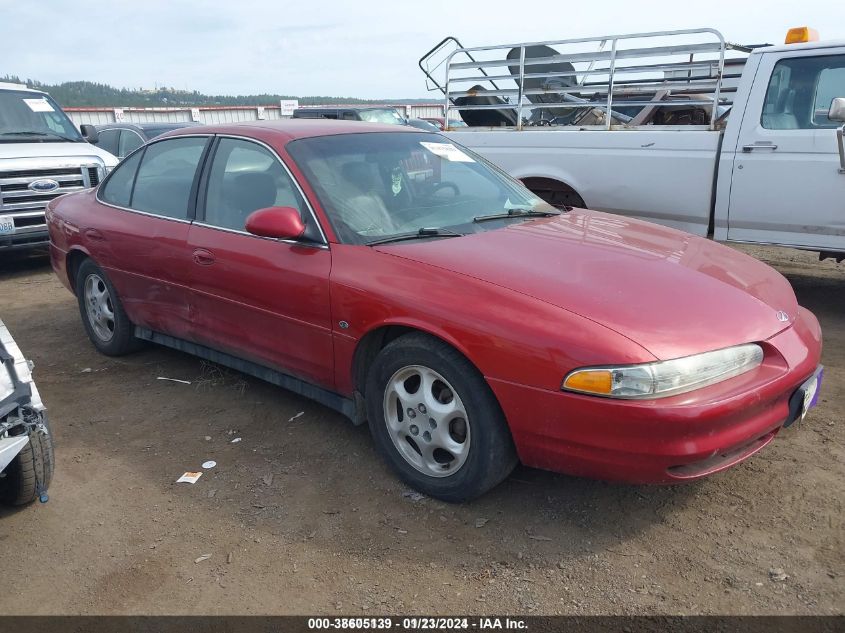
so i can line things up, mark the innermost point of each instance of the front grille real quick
(15, 194)
(26, 206)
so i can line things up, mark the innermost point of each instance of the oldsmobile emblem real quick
(43, 185)
(782, 316)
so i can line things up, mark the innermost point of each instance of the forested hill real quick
(88, 93)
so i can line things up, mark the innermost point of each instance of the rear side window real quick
(117, 189)
(129, 142)
(800, 91)
(166, 175)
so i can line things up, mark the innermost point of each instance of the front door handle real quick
(203, 257)
(759, 145)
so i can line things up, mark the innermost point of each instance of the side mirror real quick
(837, 109)
(284, 223)
(89, 133)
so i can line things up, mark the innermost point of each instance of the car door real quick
(129, 141)
(262, 299)
(142, 239)
(786, 187)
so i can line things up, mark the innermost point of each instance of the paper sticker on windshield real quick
(39, 105)
(447, 151)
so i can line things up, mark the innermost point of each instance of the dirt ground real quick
(301, 516)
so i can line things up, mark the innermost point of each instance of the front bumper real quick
(666, 440)
(25, 240)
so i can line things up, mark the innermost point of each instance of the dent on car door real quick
(786, 187)
(144, 239)
(262, 299)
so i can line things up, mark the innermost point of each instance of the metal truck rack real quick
(592, 83)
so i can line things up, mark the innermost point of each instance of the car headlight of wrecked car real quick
(7, 386)
(665, 378)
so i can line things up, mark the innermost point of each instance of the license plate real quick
(811, 393)
(7, 225)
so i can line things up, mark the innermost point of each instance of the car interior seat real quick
(361, 204)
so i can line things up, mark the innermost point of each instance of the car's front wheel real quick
(29, 474)
(105, 321)
(436, 421)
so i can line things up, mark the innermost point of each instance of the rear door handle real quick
(94, 234)
(759, 145)
(203, 257)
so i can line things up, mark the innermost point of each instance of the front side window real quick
(166, 176)
(245, 177)
(800, 91)
(107, 140)
(378, 185)
(129, 142)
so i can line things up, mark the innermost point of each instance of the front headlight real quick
(665, 378)
(7, 387)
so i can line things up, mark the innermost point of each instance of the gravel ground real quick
(300, 516)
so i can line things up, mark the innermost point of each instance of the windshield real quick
(376, 185)
(32, 117)
(381, 115)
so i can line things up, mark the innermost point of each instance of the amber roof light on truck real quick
(801, 35)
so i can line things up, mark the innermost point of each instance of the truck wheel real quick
(105, 321)
(33, 466)
(435, 420)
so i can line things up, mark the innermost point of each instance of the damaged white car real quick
(26, 445)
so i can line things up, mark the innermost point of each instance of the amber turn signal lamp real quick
(598, 381)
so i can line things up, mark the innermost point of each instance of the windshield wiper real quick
(35, 133)
(516, 212)
(415, 235)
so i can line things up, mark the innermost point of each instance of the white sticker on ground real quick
(447, 151)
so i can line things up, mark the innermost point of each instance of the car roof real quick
(290, 129)
(779, 48)
(148, 125)
(318, 108)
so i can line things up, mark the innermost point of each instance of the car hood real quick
(673, 293)
(80, 152)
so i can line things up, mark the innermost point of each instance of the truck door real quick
(786, 187)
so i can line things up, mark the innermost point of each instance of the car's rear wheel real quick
(436, 421)
(105, 321)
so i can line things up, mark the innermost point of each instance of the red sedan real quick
(401, 279)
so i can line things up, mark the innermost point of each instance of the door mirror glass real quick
(284, 223)
(837, 110)
(89, 133)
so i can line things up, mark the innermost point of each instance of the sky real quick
(362, 48)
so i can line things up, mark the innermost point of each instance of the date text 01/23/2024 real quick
(418, 623)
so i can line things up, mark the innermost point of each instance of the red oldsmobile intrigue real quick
(404, 281)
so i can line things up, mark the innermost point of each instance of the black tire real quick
(491, 455)
(122, 340)
(33, 465)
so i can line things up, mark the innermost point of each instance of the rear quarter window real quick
(117, 189)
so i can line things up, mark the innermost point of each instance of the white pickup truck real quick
(42, 156)
(738, 143)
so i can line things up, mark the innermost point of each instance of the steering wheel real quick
(446, 184)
